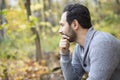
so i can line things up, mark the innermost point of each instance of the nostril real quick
(60, 31)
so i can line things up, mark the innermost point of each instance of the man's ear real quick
(75, 24)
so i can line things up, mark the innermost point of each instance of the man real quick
(96, 53)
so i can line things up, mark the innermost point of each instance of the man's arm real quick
(71, 68)
(104, 60)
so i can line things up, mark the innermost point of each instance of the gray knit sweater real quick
(100, 58)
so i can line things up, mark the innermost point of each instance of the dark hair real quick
(78, 12)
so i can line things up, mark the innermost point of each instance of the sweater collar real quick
(89, 37)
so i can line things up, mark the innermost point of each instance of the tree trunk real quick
(37, 43)
(2, 21)
(44, 9)
(118, 2)
(27, 6)
(35, 32)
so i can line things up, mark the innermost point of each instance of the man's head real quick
(66, 29)
(80, 13)
(74, 13)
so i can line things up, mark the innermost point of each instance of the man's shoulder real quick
(104, 38)
(103, 35)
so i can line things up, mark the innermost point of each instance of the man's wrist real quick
(66, 53)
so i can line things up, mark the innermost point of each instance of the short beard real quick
(72, 35)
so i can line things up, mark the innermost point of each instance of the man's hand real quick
(64, 45)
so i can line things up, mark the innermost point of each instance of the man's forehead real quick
(63, 17)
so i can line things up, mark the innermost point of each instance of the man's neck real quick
(81, 36)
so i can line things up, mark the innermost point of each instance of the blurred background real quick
(29, 39)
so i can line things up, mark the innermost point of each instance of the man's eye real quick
(62, 25)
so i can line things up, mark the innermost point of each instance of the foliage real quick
(105, 18)
(19, 43)
(22, 69)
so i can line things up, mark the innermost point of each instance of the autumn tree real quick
(35, 32)
(2, 20)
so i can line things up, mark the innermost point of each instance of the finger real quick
(65, 37)
(64, 40)
(64, 45)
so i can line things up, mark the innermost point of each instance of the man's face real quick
(66, 29)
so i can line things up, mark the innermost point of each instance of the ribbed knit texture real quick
(101, 58)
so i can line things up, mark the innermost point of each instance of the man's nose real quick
(60, 31)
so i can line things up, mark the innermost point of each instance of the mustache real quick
(66, 35)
